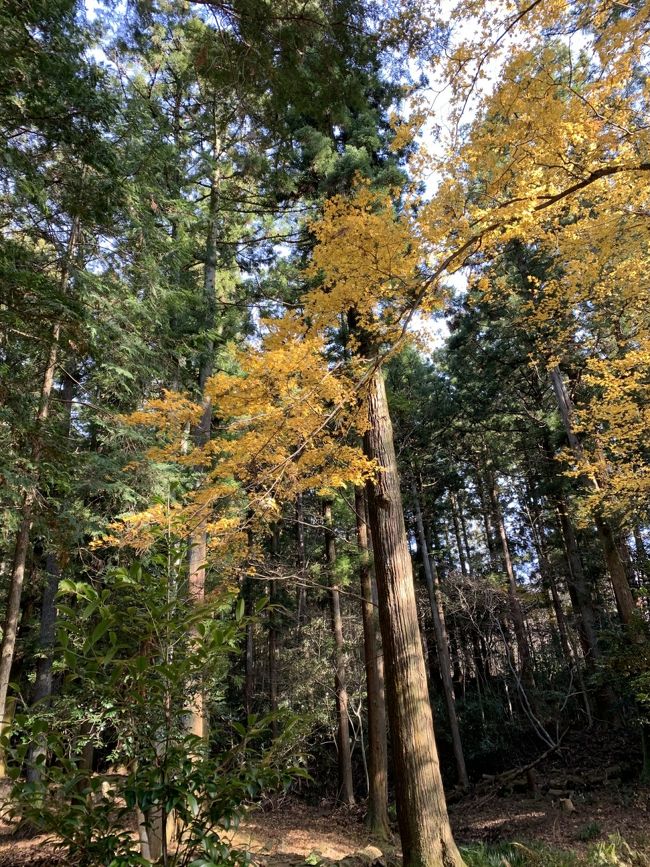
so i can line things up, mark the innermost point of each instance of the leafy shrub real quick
(134, 655)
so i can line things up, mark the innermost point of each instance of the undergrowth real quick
(613, 852)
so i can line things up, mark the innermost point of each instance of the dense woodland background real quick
(224, 227)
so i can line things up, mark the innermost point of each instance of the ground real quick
(284, 834)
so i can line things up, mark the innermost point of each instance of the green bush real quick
(133, 655)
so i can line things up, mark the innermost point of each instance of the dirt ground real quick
(288, 832)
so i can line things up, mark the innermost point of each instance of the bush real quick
(134, 655)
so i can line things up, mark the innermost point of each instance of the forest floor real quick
(286, 833)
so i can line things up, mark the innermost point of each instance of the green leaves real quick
(136, 652)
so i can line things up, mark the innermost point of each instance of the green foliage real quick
(589, 831)
(134, 656)
(615, 852)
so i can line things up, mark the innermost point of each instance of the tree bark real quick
(346, 785)
(425, 832)
(440, 630)
(377, 817)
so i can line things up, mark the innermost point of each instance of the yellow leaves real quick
(405, 131)
(140, 530)
(616, 424)
(170, 413)
(280, 428)
(368, 260)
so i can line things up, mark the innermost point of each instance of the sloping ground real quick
(546, 820)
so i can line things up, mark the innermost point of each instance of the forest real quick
(324, 410)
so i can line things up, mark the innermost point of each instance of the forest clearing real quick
(324, 411)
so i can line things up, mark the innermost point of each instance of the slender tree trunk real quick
(301, 596)
(425, 832)
(548, 579)
(346, 785)
(43, 683)
(456, 522)
(641, 559)
(273, 633)
(485, 513)
(516, 613)
(10, 628)
(377, 739)
(440, 629)
(249, 607)
(581, 596)
(456, 667)
(201, 433)
(249, 661)
(463, 528)
(615, 562)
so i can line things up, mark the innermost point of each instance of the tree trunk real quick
(615, 562)
(548, 580)
(249, 661)
(301, 596)
(377, 739)
(201, 433)
(47, 634)
(346, 785)
(459, 545)
(440, 629)
(425, 832)
(10, 628)
(581, 596)
(516, 613)
(463, 527)
(485, 513)
(273, 633)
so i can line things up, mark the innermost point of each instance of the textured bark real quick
(377, 817)
(346, 785)
(249, 656)
(424, 827)
(641, 558)
(440, 630)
